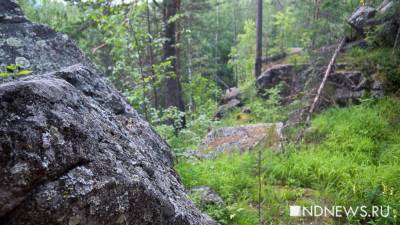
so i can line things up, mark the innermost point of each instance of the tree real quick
(172, 85)
(258, 65)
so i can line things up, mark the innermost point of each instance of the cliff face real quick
(72, 151)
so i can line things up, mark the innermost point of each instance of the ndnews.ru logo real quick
(339, 211)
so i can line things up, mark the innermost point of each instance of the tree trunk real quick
(151, 55)
(320, 89)
(172, 86)
(258, 63)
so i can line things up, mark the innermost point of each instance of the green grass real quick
(354, 161)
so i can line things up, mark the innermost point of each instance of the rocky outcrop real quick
(344, 85)
(72, 151)
(241, 138)
(367, 18)
(284, 74)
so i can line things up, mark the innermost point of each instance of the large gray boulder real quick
(72, 151)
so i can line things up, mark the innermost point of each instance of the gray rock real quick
(344, 87)
(72, 151)
(230, 94)
(281, 74)
(223, 109)
(22, 62)
(361, 18)
(241, 138)
(45, 49)
(206, 196)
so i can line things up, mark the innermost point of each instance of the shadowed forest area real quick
(264, 104)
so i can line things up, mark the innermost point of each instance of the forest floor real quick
(349, 157)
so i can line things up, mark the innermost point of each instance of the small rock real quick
(206, 195)
(223, 109)
(231, 93)
(14, 42)
(22, 62)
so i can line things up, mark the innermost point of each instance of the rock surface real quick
(230, 94)
(241, 138)
(280, 74)
(223, 109)
(344, 86)
(72, 151)
(387, 15)
(361, 17)
(206, 196)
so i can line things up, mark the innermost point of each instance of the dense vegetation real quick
(349, 156)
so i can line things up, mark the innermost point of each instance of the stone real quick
(206, 196)
(286, 74)
(72, 151)
(229, 106)
(22, 63)
(241, 138)
(230, 94)
(14, 42)
(344, 88)
(361, 18)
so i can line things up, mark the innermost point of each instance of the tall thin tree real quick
(172, 85)
(151, 54)
(259, 22)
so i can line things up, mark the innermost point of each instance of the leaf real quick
(4, 74)
(24, 72)
(147, 79)
(11, 67)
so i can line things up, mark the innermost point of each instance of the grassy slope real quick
(351, 157)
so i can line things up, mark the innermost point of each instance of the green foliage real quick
(381, 63)
(231, 177)
(354, 162)
(14, 71)
(243, 54)
(59, 15)
(285, 21)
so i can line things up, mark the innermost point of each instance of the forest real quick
(264, 105)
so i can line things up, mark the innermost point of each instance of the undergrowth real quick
(355, 162)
